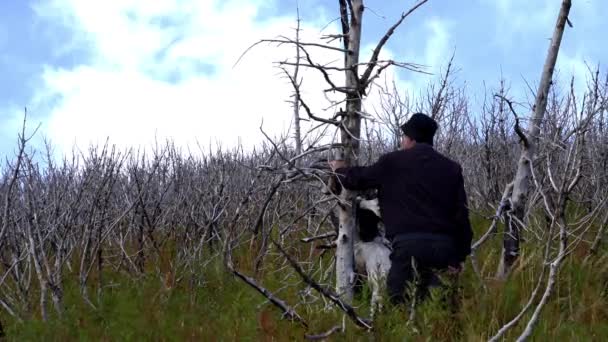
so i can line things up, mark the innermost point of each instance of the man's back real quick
(423, 204)
(420, 191)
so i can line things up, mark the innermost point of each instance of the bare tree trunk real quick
(99, 262)
(519, 197)
(350, 133)
(348, 119)
(350, 126)
(141, 257)
(38, 268)
(296, 98)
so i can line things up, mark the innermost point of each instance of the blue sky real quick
(136, 71)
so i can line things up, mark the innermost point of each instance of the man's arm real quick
(464, 233)
(362, 177)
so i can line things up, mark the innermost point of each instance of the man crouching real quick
(424, 208)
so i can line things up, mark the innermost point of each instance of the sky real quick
(140, 71)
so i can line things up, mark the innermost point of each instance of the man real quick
(423, 204)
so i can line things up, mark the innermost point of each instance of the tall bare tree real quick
(348, 119)
(514, 214)
(356, 85)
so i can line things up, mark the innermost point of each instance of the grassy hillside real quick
(167, 305)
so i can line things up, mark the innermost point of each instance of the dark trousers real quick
(414, 260)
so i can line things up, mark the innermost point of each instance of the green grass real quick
(226, 309)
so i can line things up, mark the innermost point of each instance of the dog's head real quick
(367, 211)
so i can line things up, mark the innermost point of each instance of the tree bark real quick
(296, 96)
(350, 132)
(519, 197)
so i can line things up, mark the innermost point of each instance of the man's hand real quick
(336, 164)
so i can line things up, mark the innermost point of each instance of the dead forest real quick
(536, 176)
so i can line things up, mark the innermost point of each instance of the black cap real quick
(421, 128)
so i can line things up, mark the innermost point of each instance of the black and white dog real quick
(371, 249)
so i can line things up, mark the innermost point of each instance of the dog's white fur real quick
(372, 259)
(371, 205)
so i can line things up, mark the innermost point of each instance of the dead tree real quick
(518, 197)
(356, 85)
(296, 96)
(564, 163)
(347, 119)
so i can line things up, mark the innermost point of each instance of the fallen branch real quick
(324, 335)
(326, 292)
(288, 311)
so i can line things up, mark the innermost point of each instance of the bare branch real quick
(324, 335)
(522, 136)
(288, 311)
(383, 40)
(326, 292)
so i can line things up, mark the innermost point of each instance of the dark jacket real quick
(419, 191)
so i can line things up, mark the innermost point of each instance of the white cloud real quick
(437, 49)
(124, 90)
(574, 65)
(165, 69)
